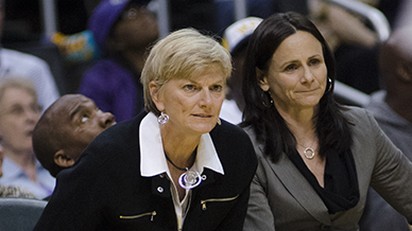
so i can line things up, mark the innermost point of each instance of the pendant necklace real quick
(189, 179)
(308, 152)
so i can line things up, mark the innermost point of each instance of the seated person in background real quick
(123, 30)
(65, 129)
(19, 113)
(235, 40)
(352, 42)
(10, 191)
(175, 166)
(392, 108)
(15, 63)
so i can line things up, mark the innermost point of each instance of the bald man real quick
(65, 129)
(392, 108)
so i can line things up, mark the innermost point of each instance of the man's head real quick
(119, 25)
(65, 129)
(395, 62)
(235, 39)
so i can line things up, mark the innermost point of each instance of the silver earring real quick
(163, 118)
(266, 97)
(330, 84)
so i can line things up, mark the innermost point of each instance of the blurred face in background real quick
(136, 28)
(19, 112)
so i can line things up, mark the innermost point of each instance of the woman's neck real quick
(180, 148)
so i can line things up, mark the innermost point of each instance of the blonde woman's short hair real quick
(178, 56)
(19, 83)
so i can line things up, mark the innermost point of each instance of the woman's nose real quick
(307, 74)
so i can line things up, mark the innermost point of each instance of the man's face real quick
(81, 121)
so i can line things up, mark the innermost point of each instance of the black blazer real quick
(105, 191)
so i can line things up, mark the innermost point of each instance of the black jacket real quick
(105, 190)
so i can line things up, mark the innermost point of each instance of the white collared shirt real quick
(153, 161)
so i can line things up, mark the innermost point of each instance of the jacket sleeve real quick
(392, 173)
(259, 216)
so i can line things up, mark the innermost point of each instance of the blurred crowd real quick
(100, 47)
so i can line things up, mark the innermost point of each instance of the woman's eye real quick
(291, 67)
(217, 88)
(313, 62)
(189, 87)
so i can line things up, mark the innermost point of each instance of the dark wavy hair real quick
(262, 116)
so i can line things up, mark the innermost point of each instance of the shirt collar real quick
(152, 157)
(12, 170)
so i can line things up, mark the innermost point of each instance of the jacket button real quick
(160, 189)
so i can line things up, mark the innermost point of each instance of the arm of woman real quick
(392, 174)
(259, 215)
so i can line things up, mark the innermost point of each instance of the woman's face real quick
(192, 104)
(297, 73)
(18, 115)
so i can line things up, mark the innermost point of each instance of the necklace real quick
(174, 165)
(189, 179)
(308, 152)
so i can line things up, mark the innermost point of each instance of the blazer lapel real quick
(296, 184)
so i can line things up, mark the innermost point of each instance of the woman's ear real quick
(262, 80)
(62, 160)
(154, 90)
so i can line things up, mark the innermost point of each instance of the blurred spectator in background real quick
(65, 129)
(235, 39)
(14, 63)
(19, 112)
(225, 10)
(123, 30)
(353, 41)
(10, 191)
(392, 109)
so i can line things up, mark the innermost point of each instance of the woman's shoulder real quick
(235, 150)
(115, 142)
(355, 114)
(226, 128)
(231, 137)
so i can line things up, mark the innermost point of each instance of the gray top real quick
(379, 215)
(282, 197)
